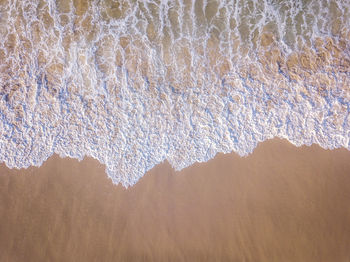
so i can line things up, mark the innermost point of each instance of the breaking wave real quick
(133, 83)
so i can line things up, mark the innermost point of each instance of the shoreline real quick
(55, 156)
(281, 203)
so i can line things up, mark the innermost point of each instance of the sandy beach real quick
(131, 83)
(282, 203)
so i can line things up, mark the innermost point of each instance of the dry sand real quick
(281, 203)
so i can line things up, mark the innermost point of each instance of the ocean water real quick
(134, 83)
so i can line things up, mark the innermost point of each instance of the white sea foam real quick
(134, 83)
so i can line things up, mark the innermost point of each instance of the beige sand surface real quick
(282, 203)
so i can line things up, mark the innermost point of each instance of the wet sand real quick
(282, 203)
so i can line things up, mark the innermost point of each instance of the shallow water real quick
(133, 83)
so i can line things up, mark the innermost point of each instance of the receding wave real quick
(132, 83)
